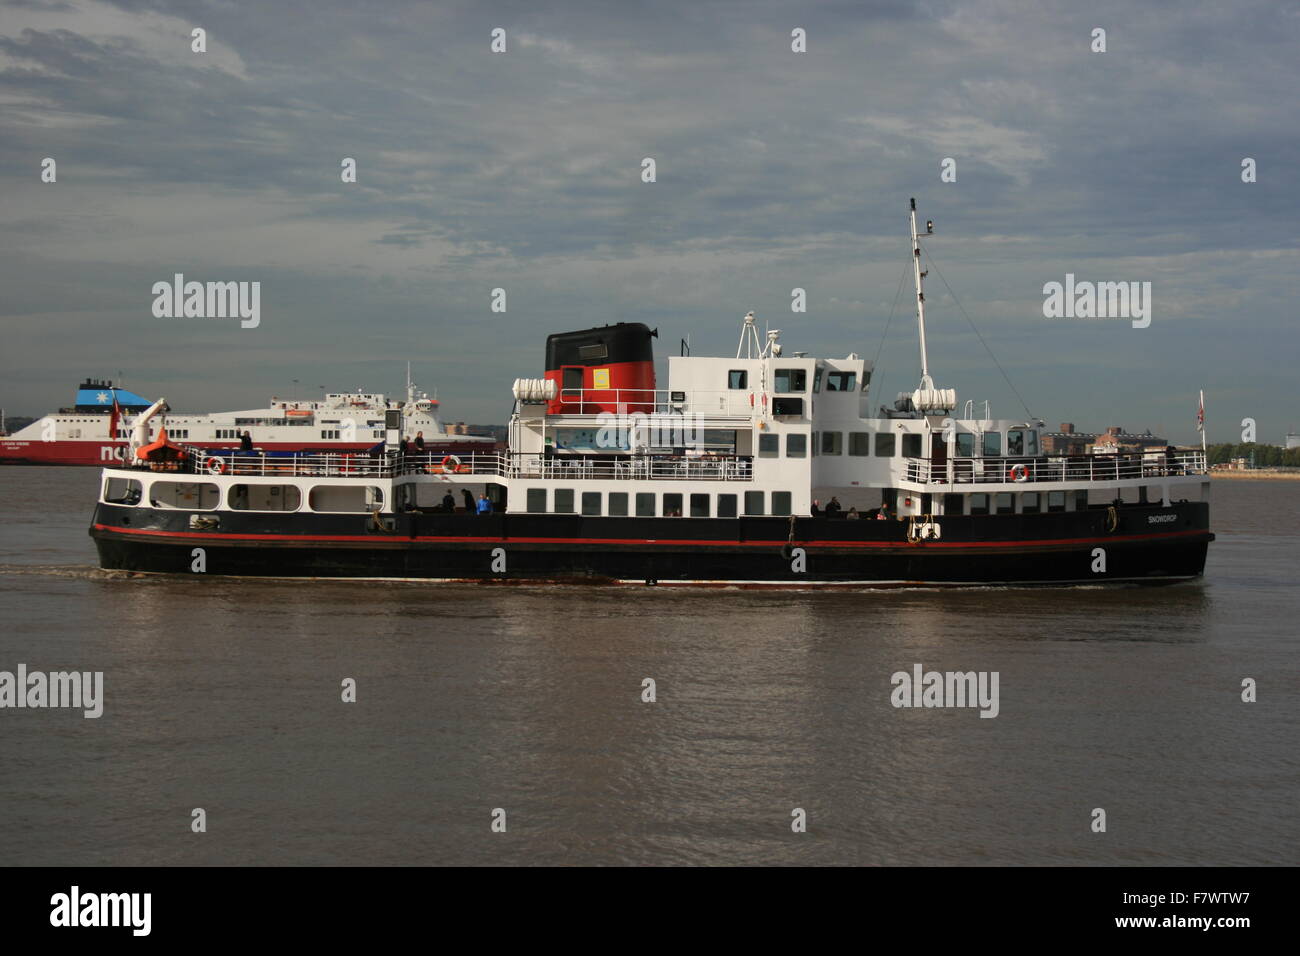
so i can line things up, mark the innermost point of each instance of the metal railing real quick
(661, 401)
(1099, 468)
(667, 467)
(472, 464)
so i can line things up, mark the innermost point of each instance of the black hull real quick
(1144, 544)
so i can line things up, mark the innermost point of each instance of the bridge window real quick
(618, 504)
(841, 381)
(1015, 442)
(264, 498)
(965, 445)
(754, 503)
(645, 504)
(791, 380)
(860, 443)
(787, 406)
(564, 501)
(769, 446)
(832, 443)
(672, 506)
(912, 446)
(726, 506)
(699, 506)
(992, 444)
(537, 500)
(796, 446)
(591, 502)
(781, 503)
(979, 504)
(885, 445)
(738, 378)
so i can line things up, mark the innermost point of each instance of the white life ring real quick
(450, 463)
(216, 465)
(1019, 473)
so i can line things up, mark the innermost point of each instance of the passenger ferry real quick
(710, 481)
(96, 429)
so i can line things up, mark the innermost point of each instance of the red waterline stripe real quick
(392, 536)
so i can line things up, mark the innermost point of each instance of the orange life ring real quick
(451, 463)
(215, 465)
(1019, 473)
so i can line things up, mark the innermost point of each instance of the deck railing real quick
(472, 464)
(1099, 468)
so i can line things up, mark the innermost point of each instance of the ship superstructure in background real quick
(93, 432)
(710, 481)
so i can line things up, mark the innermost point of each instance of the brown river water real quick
(225, 695)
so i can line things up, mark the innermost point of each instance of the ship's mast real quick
(749, 344)
(926, 381)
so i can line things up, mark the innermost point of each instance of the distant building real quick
(1292, 440)
(1113, 441)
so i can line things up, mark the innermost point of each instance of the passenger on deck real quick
(833, 507)
(448, 503)
(816, 508)
(851, 514)
(246, 441)
(469, 501)
(419, 442)
(404, 445)
(484, 504)
(883, 513)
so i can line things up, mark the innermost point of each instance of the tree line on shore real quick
(1266, 456)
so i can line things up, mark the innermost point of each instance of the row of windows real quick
(1004, 502)
(796, 380)
(206, 496)
(1019, 443)
(650, 504)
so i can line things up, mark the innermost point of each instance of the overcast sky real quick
(775, 170)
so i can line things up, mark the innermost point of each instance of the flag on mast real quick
(113, 418)
(1200, 419)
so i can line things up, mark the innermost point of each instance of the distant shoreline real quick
(1258, 475)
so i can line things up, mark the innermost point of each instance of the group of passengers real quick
(834, 509)
(482, 507)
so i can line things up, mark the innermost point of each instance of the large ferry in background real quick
(97, 429)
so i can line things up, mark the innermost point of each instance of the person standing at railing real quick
(419, 442)
(484, 505)
(448, 503)
(403, 446)
(469, 501)
(246, 441)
